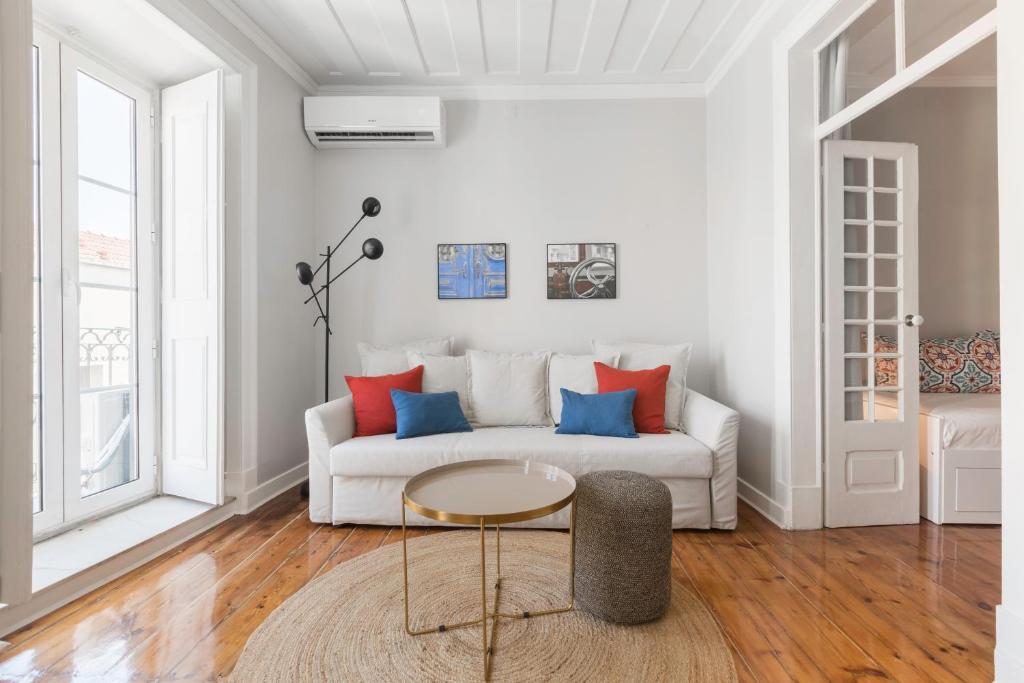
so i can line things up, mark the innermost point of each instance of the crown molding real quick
(756, 24)
(240, 20)
(617, 91)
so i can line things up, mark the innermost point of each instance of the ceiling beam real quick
(602, 31)
(673, 22)
(400, 34)
(535, 36)
(467, 37)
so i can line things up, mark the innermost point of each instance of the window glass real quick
(862, 57)
(106, 297)
(106, 133)
(930, 23)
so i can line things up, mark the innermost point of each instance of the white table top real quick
(494, 491)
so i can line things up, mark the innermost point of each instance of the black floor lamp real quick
(372, 249)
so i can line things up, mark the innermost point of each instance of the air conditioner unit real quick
(340, 122)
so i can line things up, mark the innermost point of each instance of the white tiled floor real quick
(69, 553)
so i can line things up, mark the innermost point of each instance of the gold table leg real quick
(494, 615)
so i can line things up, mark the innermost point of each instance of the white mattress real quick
(969, 421)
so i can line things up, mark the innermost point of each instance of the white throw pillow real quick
(575, 373)
(444, 373)
(636, 356)
(391, 359)
(509, 389)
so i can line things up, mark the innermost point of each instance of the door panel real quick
(192, 230)
(870, 289)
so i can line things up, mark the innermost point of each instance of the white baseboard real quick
(761, 502)
(1009, 645)
(59, 594)
(259, 495)
(805, 512)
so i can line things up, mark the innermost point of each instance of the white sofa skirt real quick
(360, 480)
(378, 500)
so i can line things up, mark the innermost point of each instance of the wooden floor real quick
(911, 603)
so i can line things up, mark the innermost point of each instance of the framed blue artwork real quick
(472, 271)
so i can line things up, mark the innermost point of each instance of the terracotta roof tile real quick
(104, 250)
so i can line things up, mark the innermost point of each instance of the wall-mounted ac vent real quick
(352, 122)
(383, 136)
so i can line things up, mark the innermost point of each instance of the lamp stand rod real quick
(330, 279)
(340, 242)
(327, 330)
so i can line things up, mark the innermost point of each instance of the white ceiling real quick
(503, 42)
(158, 51)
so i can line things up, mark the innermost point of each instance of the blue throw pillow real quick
(609, 414)
(422, 414)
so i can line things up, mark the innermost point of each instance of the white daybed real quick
(961, 457)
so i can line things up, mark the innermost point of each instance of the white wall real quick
(955, 131)
(526, 173)
(1010, 614)
(740, 258)
(286, 223)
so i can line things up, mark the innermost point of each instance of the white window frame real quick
(62, 503)
(51, 351)
(904, 75)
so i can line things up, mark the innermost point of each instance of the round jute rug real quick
(348, 624)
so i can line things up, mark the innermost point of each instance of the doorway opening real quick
(910, 367)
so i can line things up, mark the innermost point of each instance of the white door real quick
(871, 333)
(97, 299)
(192, 283)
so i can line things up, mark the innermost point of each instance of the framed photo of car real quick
(584, 270)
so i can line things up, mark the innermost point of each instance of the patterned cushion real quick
(961, 365)
(957, 365)
(887, 370)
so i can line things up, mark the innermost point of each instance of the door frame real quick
(799, 445)
(15, 301)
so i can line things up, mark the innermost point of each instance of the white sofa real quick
(360, 480)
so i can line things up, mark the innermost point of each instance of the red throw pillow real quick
(649, 407)
(371, 398)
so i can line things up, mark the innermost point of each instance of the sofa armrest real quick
(717, 427)
(327, 425)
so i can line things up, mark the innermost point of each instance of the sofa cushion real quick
(391, 359)
(649, 406)
(508, 389)
(659, 455)
(371, 399)
(575, 373)
(421, 414)
(608, 414)
(444, 373)
(639, 356)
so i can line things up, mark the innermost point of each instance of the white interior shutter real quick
(192, 463)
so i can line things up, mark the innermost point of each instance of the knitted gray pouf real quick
(623, 546)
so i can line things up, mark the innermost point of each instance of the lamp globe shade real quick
(373, 249)
(371, 206)
(304, 272)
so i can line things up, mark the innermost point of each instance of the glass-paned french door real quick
(95, 288)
